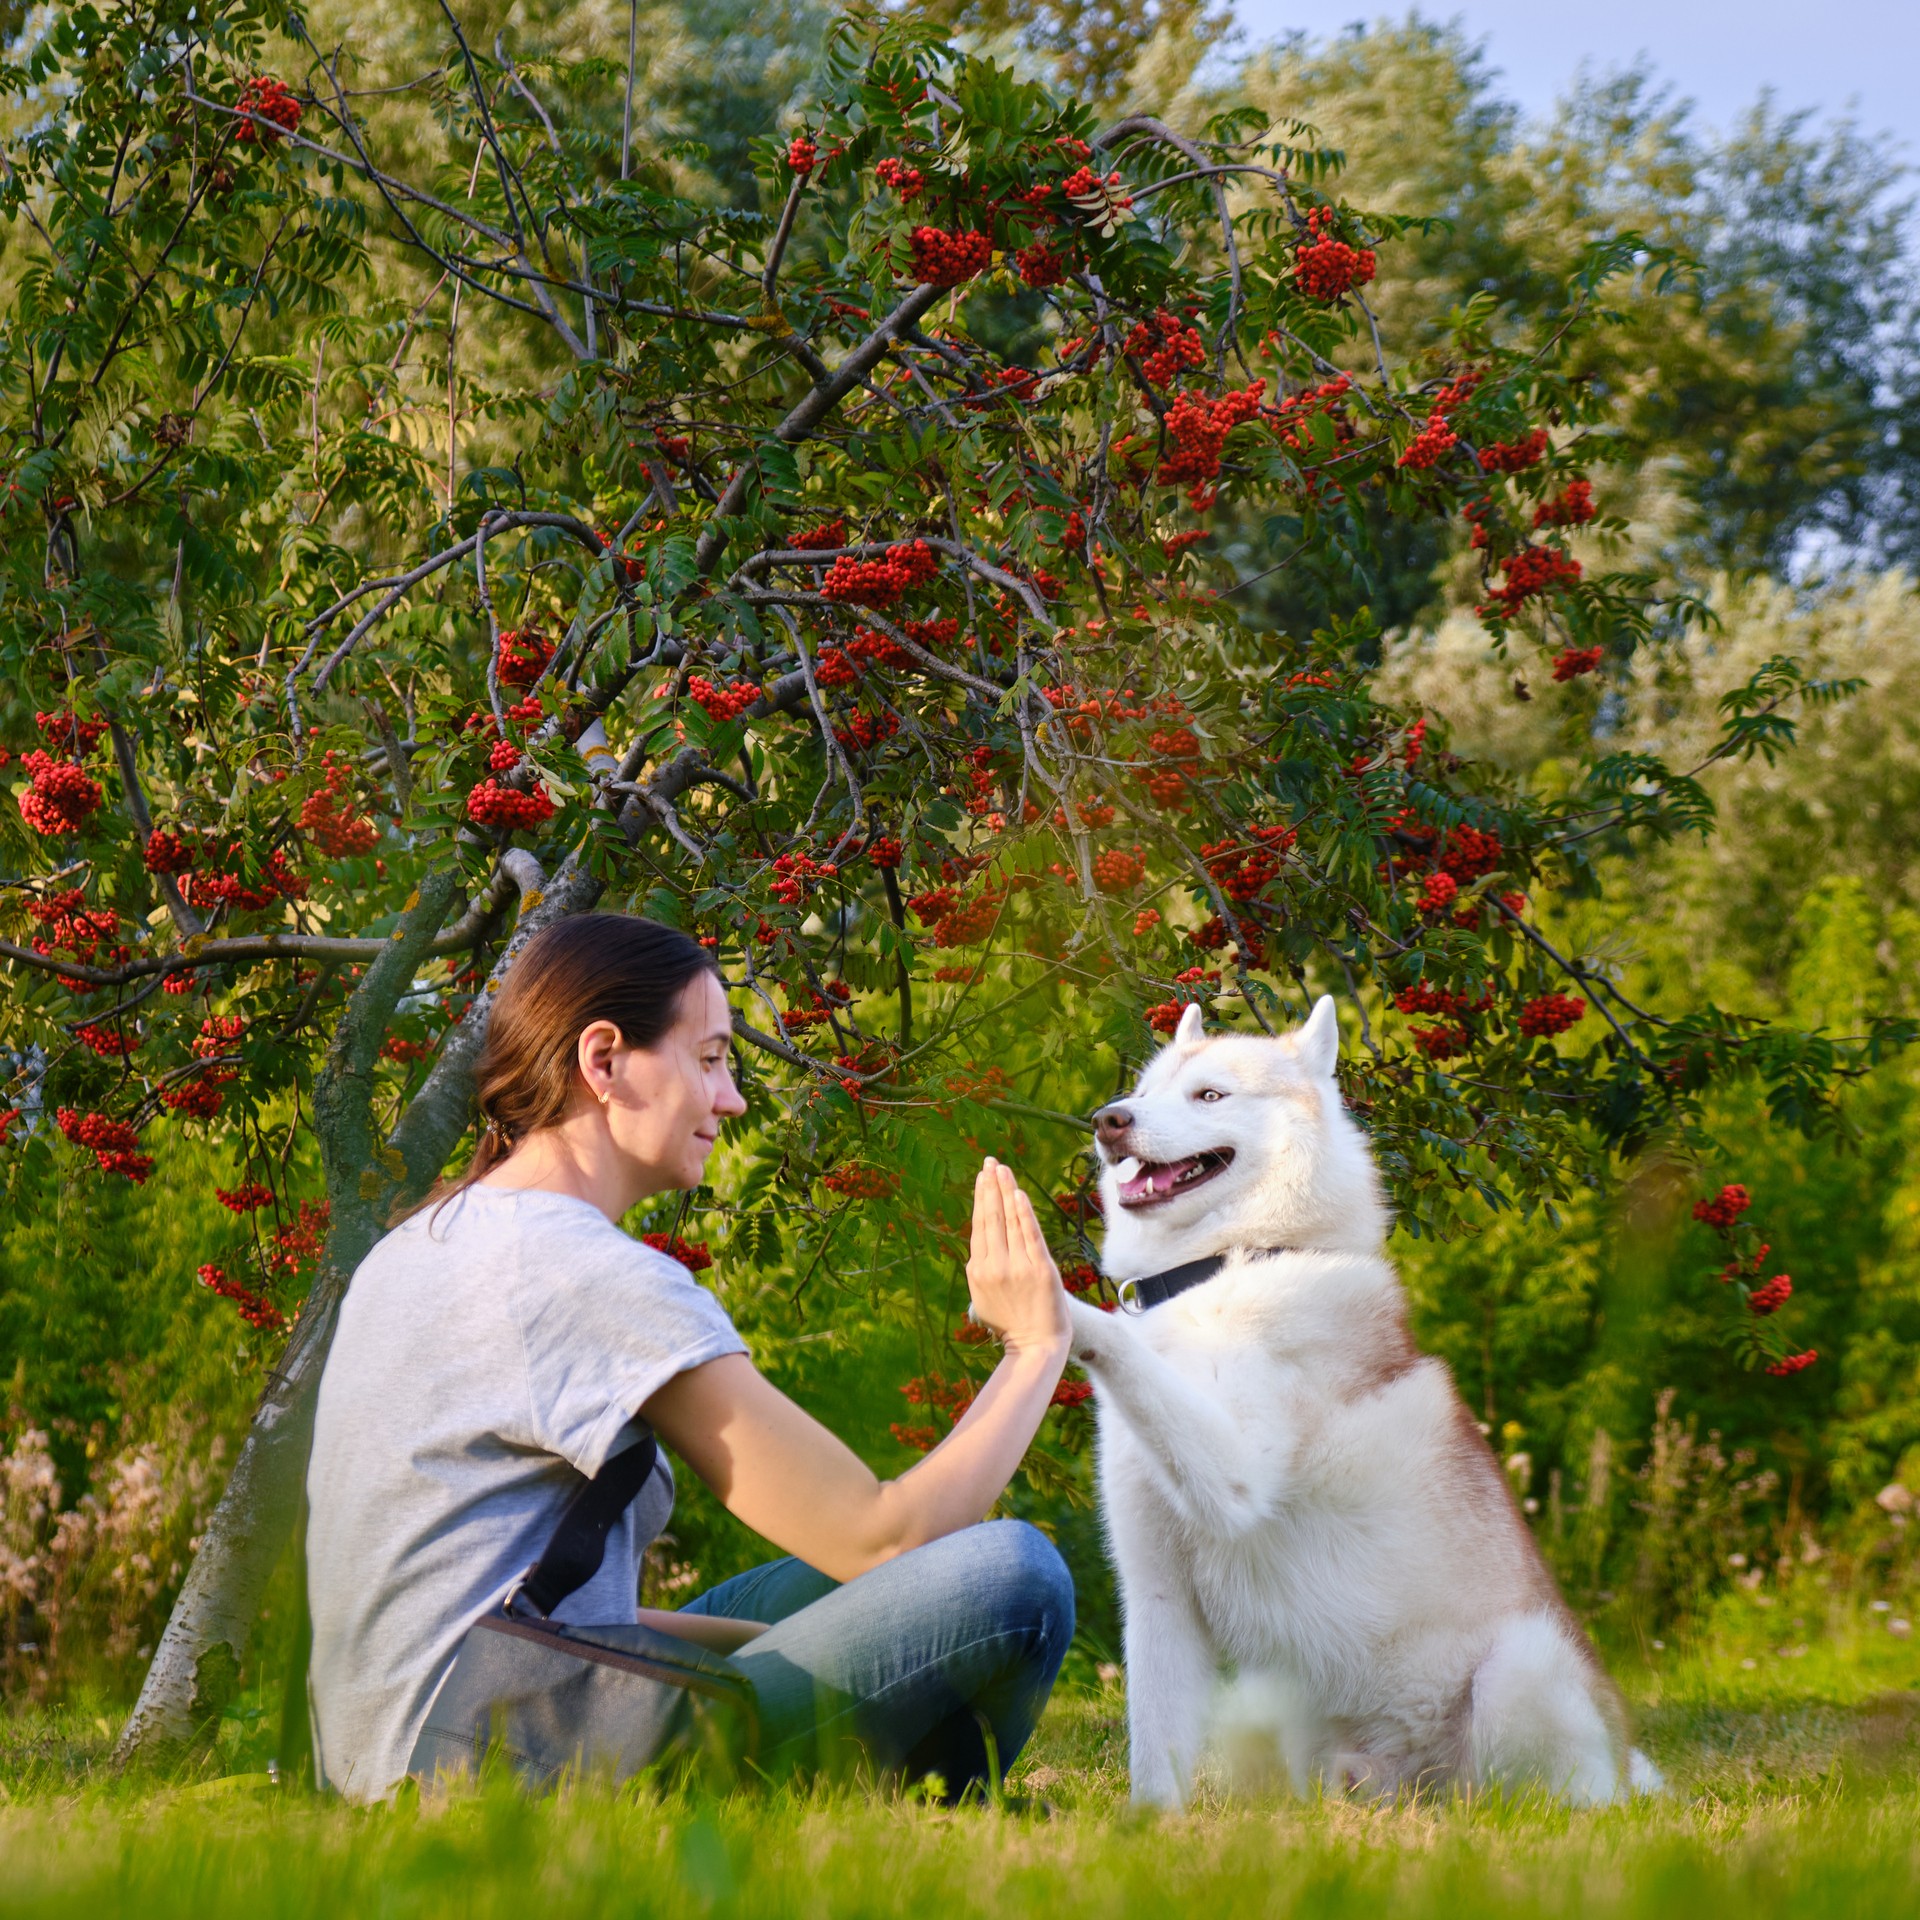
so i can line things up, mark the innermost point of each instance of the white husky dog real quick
(1289, 1486)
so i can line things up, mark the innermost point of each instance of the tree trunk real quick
(197, 1665)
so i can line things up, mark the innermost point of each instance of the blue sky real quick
(1720, 53)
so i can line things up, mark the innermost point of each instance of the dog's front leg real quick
(1170, 1673)
(1222, 1480)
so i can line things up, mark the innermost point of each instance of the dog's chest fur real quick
(1371, 1584)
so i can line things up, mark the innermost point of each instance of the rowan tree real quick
(829, 577)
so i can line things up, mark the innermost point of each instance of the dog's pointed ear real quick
(1192, 1028)
(1318, 1042)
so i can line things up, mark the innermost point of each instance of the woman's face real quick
(664, 1104)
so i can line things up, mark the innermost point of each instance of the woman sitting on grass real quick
(508, 1339)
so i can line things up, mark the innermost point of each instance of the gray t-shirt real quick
(485, 1361)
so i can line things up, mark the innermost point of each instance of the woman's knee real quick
(1027, 1574)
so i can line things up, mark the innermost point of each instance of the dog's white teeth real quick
(1127, 1169)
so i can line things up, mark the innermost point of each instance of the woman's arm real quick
(780, 1471)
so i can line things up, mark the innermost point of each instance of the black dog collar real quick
(1158, 1288)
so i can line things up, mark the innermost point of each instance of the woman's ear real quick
(593, 1054)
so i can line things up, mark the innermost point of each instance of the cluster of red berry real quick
(878, 583)
(886, 853)
(1551, 1013)
(1572, 506)
(802, 154)
(834, 669)
(1430, 445)
(1240, 870)
(1324, 266)
(218, 1033)
(198, 1098)
(492, 805)
(298, 1244)
(1165, 345)
(792, 872)
(270, 100)
(1175, 544)
(249, 1198)
(1515, 456)
(62, 797)
(67, 925)
(1198, 428)
(723, 703)
(829, 533)
(255, 1309)
(1445, 1042)
(970, 921)
(866, 730)
(1071, 1393)
(524, 653)
(1438, 891)
(942, 259)
(111, 1142)
(406, 1052)
(941, 632)
(877, 649)
(1297, 410)
(503, 756)
(1724, 1208)
(979, 1083)
(1531, 572)
(1145, 921)
(334, 825)
(1772, 1297)
(1424, 997)
(1571, 662)
(277, 881)
(1094, 193)
(68, 733)
(1094, 813)
(166, 852)
(1118, 872)
(1039, 266)
(905, 180)
(1470, 852)
(109, 1043)
(1792, 1364)
(692, 1254)
(854, 1182)
(1164, 1017)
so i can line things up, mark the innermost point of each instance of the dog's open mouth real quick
(1155, 1181)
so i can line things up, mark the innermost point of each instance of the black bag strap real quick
(579, 1542)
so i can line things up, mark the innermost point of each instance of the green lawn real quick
(1795, 1775)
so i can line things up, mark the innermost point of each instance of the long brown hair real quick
(589, 967)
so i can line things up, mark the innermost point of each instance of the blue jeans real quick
(903, 1665)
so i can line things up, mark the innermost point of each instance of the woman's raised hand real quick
(1015, 1285)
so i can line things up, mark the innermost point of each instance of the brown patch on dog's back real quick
(1389, 1352)
(1483, 1480)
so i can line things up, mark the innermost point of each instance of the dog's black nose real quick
(1111, 1123)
